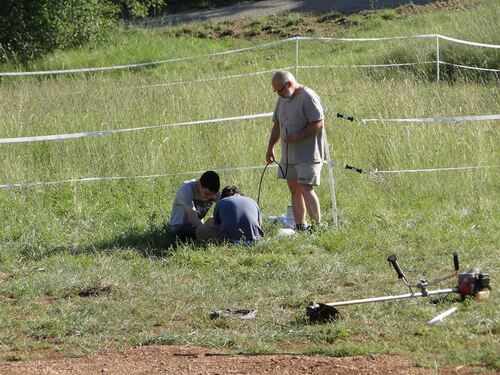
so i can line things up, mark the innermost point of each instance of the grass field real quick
(87, 266)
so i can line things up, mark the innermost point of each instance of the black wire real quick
(284, 174)
(262, 177)
(286, 160)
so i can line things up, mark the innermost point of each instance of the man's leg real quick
(184, 232)
(312, 203)
(299, 206)
(206, 232)
(309, 175)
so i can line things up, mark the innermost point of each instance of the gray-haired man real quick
(298, 121)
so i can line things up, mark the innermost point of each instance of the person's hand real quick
(270, 158)
(291, 138)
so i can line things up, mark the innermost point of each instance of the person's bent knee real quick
(206, 232)
(184, 231)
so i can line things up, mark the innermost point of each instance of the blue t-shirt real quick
(238, 217)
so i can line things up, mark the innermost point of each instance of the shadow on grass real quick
(156, 241)
(153, 242)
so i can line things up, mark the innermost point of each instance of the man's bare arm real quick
(312, 129)
(192, 215)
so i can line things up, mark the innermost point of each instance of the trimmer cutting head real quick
(321, 312)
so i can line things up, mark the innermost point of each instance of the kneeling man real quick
(192, 201)
(236, 218)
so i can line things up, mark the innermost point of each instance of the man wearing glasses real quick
(298, 121)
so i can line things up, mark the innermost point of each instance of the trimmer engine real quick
(474, 283)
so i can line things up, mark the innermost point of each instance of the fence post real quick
(437, 58)
(297, 57)
(332, 181)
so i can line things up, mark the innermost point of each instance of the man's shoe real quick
(301, 228)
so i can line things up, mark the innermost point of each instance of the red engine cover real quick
(466, 284)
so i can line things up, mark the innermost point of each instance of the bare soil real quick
(247, 25)
(262, 8)
(195, 360)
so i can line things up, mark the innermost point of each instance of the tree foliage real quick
(139, 8)
(29, 28)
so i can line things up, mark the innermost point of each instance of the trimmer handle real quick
(394, 261)
(455, 261)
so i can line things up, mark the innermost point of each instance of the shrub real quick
(129, 9)
(29, 28)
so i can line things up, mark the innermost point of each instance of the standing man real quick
(191, 203)
(298, 120)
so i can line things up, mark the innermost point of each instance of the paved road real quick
(253, 9)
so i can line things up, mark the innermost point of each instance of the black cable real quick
(286, 158)
(281, 169)
(262, 177)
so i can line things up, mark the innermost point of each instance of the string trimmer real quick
(472, 283)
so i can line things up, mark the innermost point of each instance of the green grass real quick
(87, 266)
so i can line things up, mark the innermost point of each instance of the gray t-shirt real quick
(187, 196)
(238, 217)
(295, 114)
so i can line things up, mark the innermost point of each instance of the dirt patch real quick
(307, 24)
(196, 360)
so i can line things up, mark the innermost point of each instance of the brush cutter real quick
(472, 283)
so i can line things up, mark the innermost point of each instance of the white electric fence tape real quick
(311, 67)
(460, 41)
(167, 84)
(433, 119)
(131, 66)
(115, 178)
(210, 79)
(433, 169)
(364, 65)
(58, 137)
(22, 185)
(419, 36)
(470, 67)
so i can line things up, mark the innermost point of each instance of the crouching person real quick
(192, 201)
(237, 219)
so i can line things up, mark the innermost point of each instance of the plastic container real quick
(289, 219)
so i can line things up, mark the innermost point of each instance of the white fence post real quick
(437, 58)
(297, 57)
(332, 181)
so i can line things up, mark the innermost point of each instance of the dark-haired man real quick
(192, 201)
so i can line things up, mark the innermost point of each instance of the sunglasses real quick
(281, 89)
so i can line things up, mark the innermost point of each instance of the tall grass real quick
(85, 266)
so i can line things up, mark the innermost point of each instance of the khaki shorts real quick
(303, 173)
